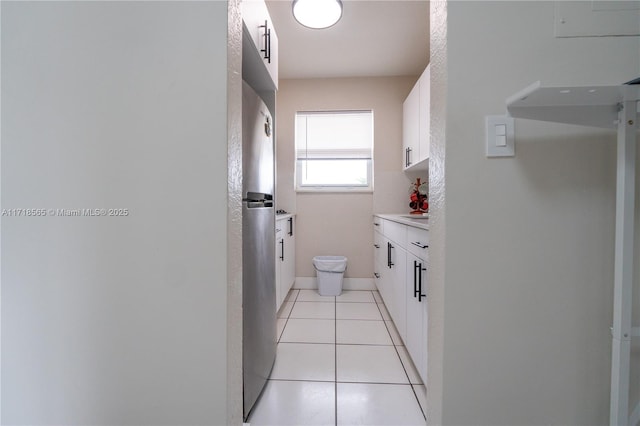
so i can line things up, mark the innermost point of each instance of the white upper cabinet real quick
(425, 115)
(411, 127)
(262, 54)
(415, 124)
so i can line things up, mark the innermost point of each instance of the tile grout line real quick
(422, 410)
(342, 381)
(409, 380)
(395, 347)
(335, 345)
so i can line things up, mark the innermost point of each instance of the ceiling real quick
(374, 38)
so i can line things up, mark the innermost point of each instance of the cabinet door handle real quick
(282, 250)
(268, 46)
(406, 157)
(415, 278)
(376, 246)
(291, 226)
(419, 244)
(389, 255)
(409, 150)
(420, 294)
(375, 274)
(267, 41)
(376, 224)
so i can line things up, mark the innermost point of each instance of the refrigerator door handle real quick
(259, 204)
(258, 196)
(258, 199)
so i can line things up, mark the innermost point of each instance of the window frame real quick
(327, 188)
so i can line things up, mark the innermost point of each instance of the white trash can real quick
(330, 271)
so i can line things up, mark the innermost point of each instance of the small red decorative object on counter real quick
(418, 197)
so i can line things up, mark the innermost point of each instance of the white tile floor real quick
(340, 361)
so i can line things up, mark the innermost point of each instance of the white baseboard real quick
(309, 283)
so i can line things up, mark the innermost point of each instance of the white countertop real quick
(417, 221)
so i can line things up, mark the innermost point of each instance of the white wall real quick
(341, 223)
(114, 320)
(523, 283)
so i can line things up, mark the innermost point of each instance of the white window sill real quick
(325, 190)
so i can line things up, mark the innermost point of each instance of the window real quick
(334, 151)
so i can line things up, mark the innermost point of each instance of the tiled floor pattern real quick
(340, 361)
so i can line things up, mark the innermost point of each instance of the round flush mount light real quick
(317, 14)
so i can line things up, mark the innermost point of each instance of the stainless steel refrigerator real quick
(258, 246)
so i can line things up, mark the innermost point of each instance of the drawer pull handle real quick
(376, 224)
(376, 246)
(419, 244)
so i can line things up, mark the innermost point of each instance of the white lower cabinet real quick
(417, 284)
(398, 308)
(416, 301)
(285, 258)
(400, 274)
(279, 296)
(379, 248)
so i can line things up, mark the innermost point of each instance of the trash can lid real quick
(330, 263)
(331, 258)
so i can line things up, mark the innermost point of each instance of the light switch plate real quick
(500, 145)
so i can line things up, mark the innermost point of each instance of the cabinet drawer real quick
(378, 224)
(396, 232)
(379, 249)
(417, 241)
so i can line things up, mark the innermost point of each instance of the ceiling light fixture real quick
(317, 14)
